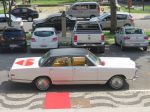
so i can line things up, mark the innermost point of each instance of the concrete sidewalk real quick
(102, 109)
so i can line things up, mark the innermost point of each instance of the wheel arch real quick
(42, 77)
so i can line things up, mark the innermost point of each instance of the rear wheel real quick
(117, 82)
(42, 83)
(30, 19)
(127, 24)
(92, 16)
(144, 48)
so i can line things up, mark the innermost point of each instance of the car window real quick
(121, 16)
(108, 18)
(16, 11)
(24, 10)
(83, 7)
(43, 33)
(14, 33)
(81, 61)
(62, 61)
(92, 6)
(87, 26)
(55, 19)
(133, 31)
(76, 7)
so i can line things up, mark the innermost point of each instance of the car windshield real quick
(14, 33)
(133, 31)
(44, 58)
(94, 58)
(43, 33)
(87, 26)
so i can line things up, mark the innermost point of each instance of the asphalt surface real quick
(141, 58)
(142, 23)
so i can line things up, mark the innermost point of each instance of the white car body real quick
(123, 19)
(26, 70)
(131, 37)
(16, 22)
(48, 40)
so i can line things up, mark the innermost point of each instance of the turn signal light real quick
(75, 38)
(126, 38)
(145, 38)
(33, 40)
(102, 38)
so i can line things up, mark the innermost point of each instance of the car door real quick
(3, 22)
(61, 69)
(16, 12)
(24, 13)
(84, 70)
(121, 20)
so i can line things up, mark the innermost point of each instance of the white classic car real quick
(72, 66)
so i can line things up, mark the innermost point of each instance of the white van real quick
(84, 10)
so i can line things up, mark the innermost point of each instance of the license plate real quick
(13, 45)
(43, 45)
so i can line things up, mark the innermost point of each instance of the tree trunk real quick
(113, 9)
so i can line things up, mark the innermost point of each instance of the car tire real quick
(116, 42)
(127, 24)
(92, 16)
(117, 82)
(30, 19)
(144, 48)
(42, 83)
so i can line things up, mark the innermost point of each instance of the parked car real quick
(72, 66)
(25, 13)
(84, 10)
(13, 38)
(16, 22)
(87, 34)
(123, 19)
(131, 37)
(44, 38)
(54, 21)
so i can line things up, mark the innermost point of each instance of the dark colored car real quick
(25, 13)
(13, 38)
(54, 21)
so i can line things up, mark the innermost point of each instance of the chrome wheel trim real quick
(42, 84)
(117, 82)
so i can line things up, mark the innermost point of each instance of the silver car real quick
(130, 36)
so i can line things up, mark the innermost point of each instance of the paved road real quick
(144, 24)
(24, 96)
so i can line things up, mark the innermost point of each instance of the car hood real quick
(118, 62)
(18, 19)
(22, 63)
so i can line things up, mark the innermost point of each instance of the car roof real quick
(53, 15)
(12, 28)
(82, 22)
(128, 27)
(45, 29)
(85, 3)
(68, 52)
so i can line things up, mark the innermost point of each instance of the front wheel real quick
(117, 82)
(42, 83)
